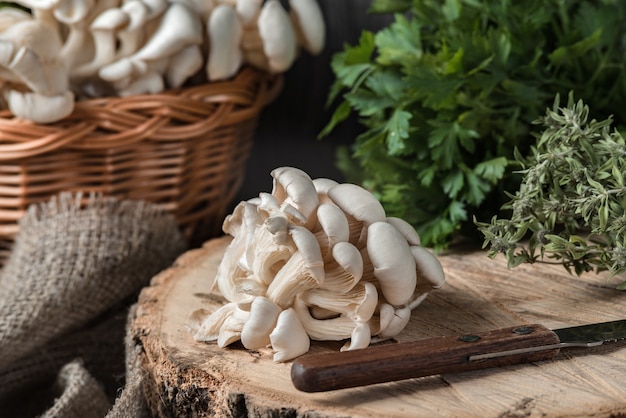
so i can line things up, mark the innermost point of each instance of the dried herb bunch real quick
(571, 204)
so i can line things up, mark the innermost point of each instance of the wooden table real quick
(188, 378)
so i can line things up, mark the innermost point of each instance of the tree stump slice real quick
(189, 378)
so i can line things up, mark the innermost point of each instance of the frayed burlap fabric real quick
(76, 267)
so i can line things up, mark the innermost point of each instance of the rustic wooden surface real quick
(187, 378)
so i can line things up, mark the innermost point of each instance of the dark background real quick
(289, 127)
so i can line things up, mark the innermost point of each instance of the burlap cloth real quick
(67, 291)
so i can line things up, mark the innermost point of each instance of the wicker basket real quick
(183, 149)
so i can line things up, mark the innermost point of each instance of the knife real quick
(450, 354)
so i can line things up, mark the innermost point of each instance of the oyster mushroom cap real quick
(39, 108)
(360, 337)
(334, 227)
(289, 339)
(295, 187)
(29, 54)
(360, 206)
(225, 31)
(392, 321)
(179, 27)
(429, 269)
(132, 35)
(248, 10)
(393, 262)
(278, 35)
(262, 320)
(183, 64)
(322, 186)
(308, 21)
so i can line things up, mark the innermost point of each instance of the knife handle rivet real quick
(523, 330)
(469, 338)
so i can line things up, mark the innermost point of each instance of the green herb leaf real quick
(474, 76)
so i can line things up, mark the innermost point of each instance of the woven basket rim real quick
(109, 121)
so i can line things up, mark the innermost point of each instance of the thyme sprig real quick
(571, 204)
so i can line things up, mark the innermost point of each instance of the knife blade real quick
(449, 354)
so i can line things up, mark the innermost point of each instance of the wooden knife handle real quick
(391, 362)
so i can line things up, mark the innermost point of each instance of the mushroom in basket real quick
(53, 52)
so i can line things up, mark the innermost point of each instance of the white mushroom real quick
(42, 10)
(327, 287)
(323, 185)
(360, 206)
(76, 16)
(277, 33)
(132, 35)
(182, 65)
(333, 228)
(292, 186)
(39, 108)
(304, 270)
(393, 262)
(289, 339)
(225, 31)
(104, 31)
(179, 27)
(308, 21)
(392, 321)
(73, 11)
(359, 338)
(202, 7)
(263, 317)
(430, 274)
(33, 53)
(248, 10)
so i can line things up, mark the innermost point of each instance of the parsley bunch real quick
(450, 89)
(572, 198)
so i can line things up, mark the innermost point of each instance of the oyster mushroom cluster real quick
(59, 51)
(316, 260)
